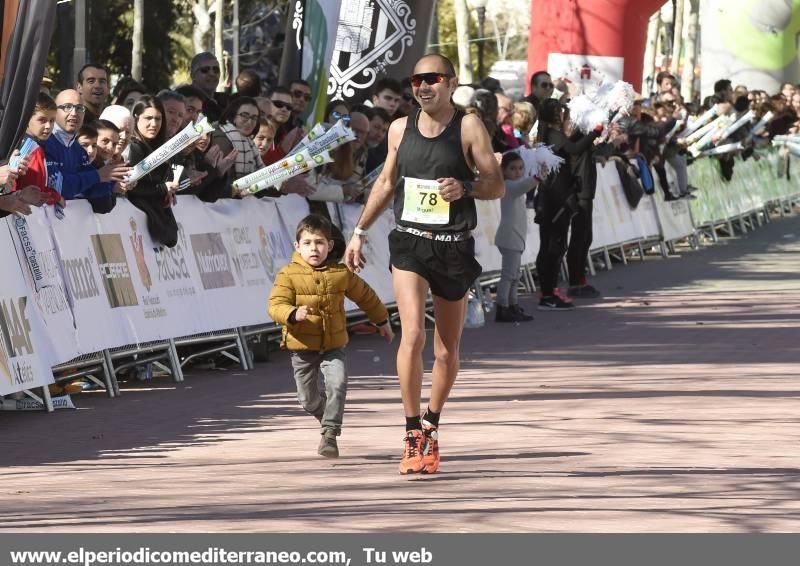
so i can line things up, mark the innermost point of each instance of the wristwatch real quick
(467, 188)
(360, 232)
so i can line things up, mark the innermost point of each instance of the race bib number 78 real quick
(423, 203)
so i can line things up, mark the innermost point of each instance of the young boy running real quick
(307, 299)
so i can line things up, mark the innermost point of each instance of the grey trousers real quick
(509, 277)
(321, 381)
(678, 163)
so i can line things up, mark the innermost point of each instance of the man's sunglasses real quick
(208, 69)
(280, 104)
(545, 84)
(336, 115)
(68, 107)
(300, 94)
(429, 78)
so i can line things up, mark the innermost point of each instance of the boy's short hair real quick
(106, 125)
(44, 103)
(315, 224)
(88, 130)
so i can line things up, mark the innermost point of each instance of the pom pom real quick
(620, 98)
(540, 161)
(549, 162)
(585, 114)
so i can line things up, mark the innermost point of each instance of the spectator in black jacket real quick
(541, 89)
(154, 193)
(557, 200)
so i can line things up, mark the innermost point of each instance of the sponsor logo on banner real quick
(15, 342)
(244, 257)
(114, 270)
(80, 277)
(173, 267)
(265, 254)
(137, 244)
(213, 260)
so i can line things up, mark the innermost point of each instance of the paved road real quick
(671, 405)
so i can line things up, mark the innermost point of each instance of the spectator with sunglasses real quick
(541, 89)
(68, 165)
(430, 174)
(408, 104)
(301, 96)
(288, 135)
(378, 127)
(237, 126)
(205, 72)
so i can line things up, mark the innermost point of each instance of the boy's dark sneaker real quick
(504, 314)
(521, 315)
(511, 313)
(554, 303)
(584, 292)
(430, 447)
(327, 445)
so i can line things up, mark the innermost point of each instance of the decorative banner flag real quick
(310, 37)
(377, 38)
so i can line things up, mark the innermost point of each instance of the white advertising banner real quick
(41, 267)
(674, 216)
(486, 252)
(292, 209)
(532, 241)
(376, 250)
(26, 347)
(127, 290)
(613, 218)
(645, 219)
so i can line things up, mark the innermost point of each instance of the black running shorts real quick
(450, 268)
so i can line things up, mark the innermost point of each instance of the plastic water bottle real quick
(475, 317)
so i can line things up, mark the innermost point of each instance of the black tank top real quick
(419, 157)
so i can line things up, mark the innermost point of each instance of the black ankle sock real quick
(432, 417)
(413, 423)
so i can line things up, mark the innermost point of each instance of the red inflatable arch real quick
(611, 28)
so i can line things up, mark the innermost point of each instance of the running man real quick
(439, 161)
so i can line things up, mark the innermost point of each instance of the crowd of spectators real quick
(89, 138)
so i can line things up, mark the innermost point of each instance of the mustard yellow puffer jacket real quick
(323, 289)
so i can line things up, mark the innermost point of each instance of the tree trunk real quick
(653, 29)
(687, 80)
(219, 19)
(677, 40)
(462, 38)
(202, 28)
(138, 43)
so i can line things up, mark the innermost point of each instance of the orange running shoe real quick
(430, 447)
(412, 455)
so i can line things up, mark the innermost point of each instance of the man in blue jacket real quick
(68, 165)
